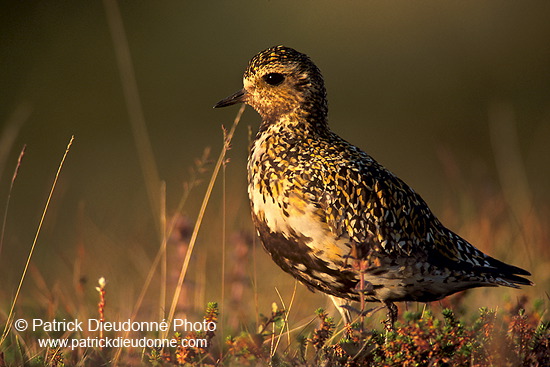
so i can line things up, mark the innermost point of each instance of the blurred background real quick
(454, 97)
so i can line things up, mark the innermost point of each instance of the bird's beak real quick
(238, 97)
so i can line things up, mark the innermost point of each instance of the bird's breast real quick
(281, 198)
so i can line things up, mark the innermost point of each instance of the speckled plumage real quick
(332, 216)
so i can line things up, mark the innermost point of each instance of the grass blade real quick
(7, 328)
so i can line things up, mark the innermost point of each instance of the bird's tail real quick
(506, 274)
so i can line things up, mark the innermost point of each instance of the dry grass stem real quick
(133, 105)
(7, 328)
(164, 264)
(11, 130)
(15, 172)
(205, 201)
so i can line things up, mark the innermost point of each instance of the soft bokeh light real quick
(412, 83)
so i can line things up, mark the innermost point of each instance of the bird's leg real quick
(392, 315)
(343, 307)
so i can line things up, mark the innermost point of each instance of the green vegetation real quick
(514, 337)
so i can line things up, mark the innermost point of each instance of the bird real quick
(332, 216)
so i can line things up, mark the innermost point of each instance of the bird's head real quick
(281, 81)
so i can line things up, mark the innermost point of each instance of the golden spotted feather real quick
(333, 217)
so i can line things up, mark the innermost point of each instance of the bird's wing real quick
(374, 208)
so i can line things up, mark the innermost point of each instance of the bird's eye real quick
(274, 78)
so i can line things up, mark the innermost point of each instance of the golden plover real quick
(332, 216)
